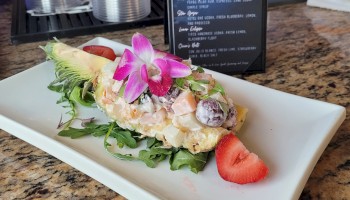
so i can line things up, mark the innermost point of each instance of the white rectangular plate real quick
(288, 132)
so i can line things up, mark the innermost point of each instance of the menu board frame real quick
(256, 66)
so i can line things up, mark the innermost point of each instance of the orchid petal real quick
(160, 84)
(122, 72)
(178, 69)
(134, 87)
(129, 57)
(165, 55)
(144, 73)
(162, 65)
(142, 47)
(127, 64)
(160, 87)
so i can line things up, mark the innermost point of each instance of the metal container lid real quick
(121, 10)
(52, 7)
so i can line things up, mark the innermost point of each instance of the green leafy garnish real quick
(78, 96)
(217, 88)
(73, 133)
(125, 137)
(154, 153)
(66, 99)
(72, 94)
(193, 84)
(90, 129)
(180, 82)
(199, 69)
(196, 162)
(107, 145)
(64, 91)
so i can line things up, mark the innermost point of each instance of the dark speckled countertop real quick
(308, 54)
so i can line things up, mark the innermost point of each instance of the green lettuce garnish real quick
(154, 153)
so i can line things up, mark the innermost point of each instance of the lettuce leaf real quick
(196, 162)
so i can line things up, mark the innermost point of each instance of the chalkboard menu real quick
(228, 36)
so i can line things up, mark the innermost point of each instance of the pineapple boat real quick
(151, 92)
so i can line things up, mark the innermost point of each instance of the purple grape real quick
(232, 112)
(230, 121)
(209, 112)
(170, 96)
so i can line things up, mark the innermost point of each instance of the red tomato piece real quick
(100, 50)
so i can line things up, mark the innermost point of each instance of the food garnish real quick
(151, 156)
(100, 50)
(146, 68)
(236, 164)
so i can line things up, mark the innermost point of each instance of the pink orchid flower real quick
(148, 68)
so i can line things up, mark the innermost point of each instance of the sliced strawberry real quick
(236, 164)
(102, 51)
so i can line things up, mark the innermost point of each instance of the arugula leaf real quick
(180, 82)
(152, 156)
(66, 85)
(125, 138)
(199, 69)
(203, 81)
(195, 86)
(77, 96)
(122, 156)
(155, 154)
(61, 88)
(196, 162)
(151, 142)
(217, 88)
(97, 130)
(189, 81)
(90, 129)
(74, 133)
(115, 154)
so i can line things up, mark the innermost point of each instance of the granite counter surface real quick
(308, 54)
